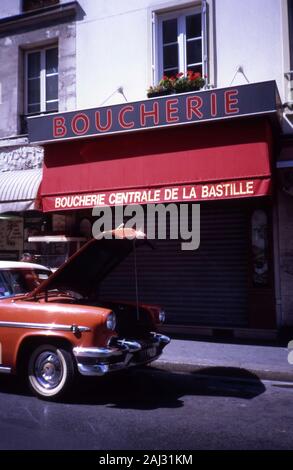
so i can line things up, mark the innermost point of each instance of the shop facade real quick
(284, 212)
(214, 148)
(20, 212)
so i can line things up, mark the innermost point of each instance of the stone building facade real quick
(22, 157)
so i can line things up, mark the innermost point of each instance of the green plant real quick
(167, 82)
(155, 89)
(190, 81)
(158, 90)
(180, 83)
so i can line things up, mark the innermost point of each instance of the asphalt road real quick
(152, 409)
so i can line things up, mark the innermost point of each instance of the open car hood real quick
(91, 264)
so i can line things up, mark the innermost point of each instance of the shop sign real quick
(185, 193)
(11, 233)
(172, 110)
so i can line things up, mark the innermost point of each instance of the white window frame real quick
(43, 76)
(157, 38)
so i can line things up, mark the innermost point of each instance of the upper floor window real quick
(181, 42)
(28, 5)
(41, 80)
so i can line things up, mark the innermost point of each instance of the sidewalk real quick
(266, 362)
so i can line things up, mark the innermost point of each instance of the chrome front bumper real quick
(122, 354)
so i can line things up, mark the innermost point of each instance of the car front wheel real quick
(50, 371)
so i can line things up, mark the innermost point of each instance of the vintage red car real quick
(17, 277)
(62, 329)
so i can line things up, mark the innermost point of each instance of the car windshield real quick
(20, 281)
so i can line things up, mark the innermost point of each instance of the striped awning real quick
(19, 190)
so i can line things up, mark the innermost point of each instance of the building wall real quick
(11, 75)
(116, 36)
(21, 157)
(110, 46)
(249, 34)
(10, 8)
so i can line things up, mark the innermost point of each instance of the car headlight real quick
(111, 321)
(162, 316)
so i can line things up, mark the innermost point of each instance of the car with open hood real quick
(62, 329)
(18, 277)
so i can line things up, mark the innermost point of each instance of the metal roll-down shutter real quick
(207, 286)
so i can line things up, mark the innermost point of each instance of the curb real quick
(230, 371)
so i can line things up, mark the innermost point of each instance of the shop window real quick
(260, 248)
(180, 41)
(28, 5)
(41, 80)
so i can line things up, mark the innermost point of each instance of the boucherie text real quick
(165, 111)
(189, 193)
(146, 114)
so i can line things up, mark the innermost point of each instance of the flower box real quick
(192, 81)
(186, 90)
(155, 94)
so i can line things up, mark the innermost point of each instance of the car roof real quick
(21, 265)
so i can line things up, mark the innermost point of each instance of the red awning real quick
(215, 161)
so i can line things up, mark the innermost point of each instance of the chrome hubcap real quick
(48, 370)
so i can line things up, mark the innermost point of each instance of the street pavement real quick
(264, 361)
(149, 409)
(198, 395)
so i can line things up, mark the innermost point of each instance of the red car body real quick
(62, 329)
